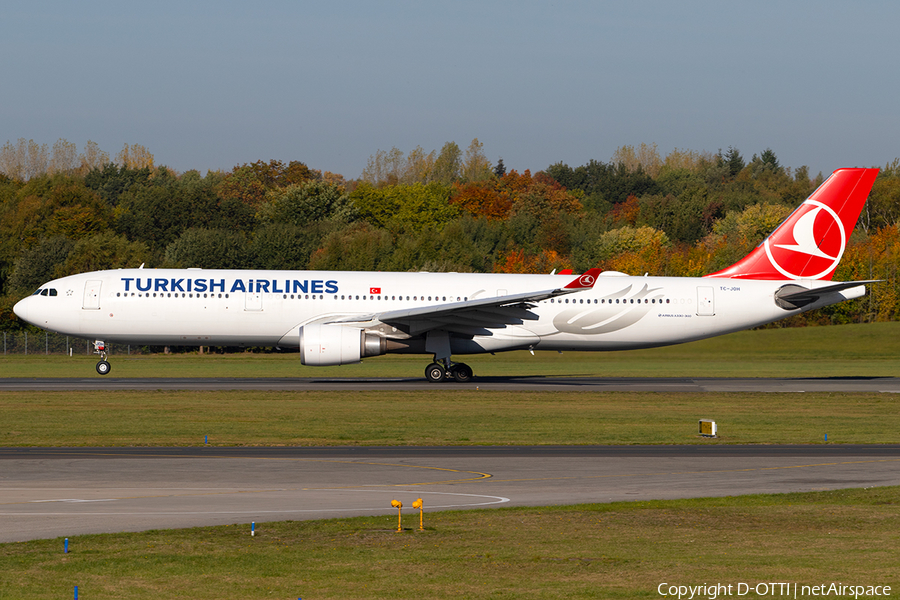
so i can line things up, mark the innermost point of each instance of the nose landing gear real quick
(103, 367)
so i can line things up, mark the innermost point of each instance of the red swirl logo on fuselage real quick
(813, 246)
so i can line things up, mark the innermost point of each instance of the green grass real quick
(871, 350)
(183, 418)
(618, 550)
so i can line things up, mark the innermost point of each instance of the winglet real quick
(585, 281)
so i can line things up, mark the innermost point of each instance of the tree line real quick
(683, 214)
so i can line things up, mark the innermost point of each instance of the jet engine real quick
(327, 345)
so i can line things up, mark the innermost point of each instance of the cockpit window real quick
(37, 292)
(45, 292)
(52, 291)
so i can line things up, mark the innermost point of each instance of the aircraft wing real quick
(476, 316)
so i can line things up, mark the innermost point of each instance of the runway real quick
(527, 383)
(55, 492)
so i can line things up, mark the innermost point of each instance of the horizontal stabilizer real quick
(793, 296)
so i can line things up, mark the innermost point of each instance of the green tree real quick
(159, 213)
(209, 249)
(304, 203)
(447, 165)
(110, 181)
(627, 239)
(733, 161)
(601, 182)
(737, 233)
(883, 206)
(400, 208)
(39, 264)
(285, 246)
(360, 247)
(476, 166)
(104, 251)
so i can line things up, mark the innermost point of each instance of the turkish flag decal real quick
(374, 290)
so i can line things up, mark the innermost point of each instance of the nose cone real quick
(21, 309)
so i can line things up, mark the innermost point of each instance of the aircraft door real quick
(91, 295)
(253, 301)
(705, 301)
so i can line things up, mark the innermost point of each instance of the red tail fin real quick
(810, 242)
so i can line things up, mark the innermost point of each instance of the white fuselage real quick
(196, 307)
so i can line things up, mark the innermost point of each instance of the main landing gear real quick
(444, 370)
(102, 366)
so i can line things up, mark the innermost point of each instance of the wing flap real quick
(493, 312)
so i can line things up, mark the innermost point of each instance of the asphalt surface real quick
(60, 492)
(528, 383)
(56, 492)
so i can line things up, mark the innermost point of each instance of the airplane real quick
(337, 318)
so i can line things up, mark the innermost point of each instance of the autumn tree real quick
(249, 183)
(645, 158)
(134, 156)
(392, 167)
(92, 157)
(63, 158)
(518, 261)
(24, 160)
(482, 198)
(475, 165)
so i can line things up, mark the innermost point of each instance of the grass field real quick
(620, 550)
(448, 415)
(871, 350)
(168, 418)
(610, 551)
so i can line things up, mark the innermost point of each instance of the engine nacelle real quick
(327, 345)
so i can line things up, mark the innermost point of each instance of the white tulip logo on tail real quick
(818, 239)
